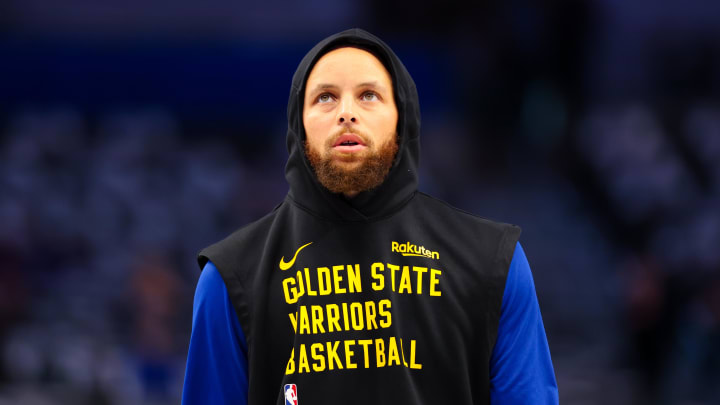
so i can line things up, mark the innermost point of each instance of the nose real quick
(346, 114)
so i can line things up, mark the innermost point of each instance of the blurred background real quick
(134, 134)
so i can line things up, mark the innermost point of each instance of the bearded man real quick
(358, 288)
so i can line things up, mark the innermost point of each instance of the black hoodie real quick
(391, 297)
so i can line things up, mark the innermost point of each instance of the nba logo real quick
(291, 394)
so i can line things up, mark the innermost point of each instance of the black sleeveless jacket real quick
(392, 297)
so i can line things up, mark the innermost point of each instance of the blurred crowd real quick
(593, 125)
(101, 219)
(659, 187)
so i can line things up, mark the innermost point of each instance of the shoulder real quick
(520, 288)
(211, 298)
(439, 206)
(232, 249)
(210, 286)
(473, 229)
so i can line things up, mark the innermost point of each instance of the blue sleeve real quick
(216, 371)
(521, 371)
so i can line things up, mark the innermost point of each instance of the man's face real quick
(350, 121)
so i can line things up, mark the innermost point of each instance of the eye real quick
(324, 98)
(369, 96)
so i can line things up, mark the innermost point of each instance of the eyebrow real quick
(325, 86)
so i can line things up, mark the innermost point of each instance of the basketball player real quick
(358, 288)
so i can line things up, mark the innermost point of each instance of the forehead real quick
(348, 64)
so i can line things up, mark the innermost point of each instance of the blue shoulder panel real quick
(216, 371)
(521, 370)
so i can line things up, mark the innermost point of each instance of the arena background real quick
(133, 134)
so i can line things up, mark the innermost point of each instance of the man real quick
(359, 289)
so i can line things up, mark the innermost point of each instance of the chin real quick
(347, 165)
(348, 158)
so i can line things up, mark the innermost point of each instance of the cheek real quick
(314, 130)
(388, 124)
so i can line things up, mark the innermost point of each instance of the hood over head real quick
(401, 182)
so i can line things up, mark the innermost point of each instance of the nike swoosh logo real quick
(284, 266)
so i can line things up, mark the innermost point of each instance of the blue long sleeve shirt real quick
(521, 369)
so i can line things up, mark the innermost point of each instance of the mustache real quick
(367, 140)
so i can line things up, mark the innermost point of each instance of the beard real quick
(368, 170)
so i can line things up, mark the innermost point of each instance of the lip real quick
(349, 137)
(349, 148)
